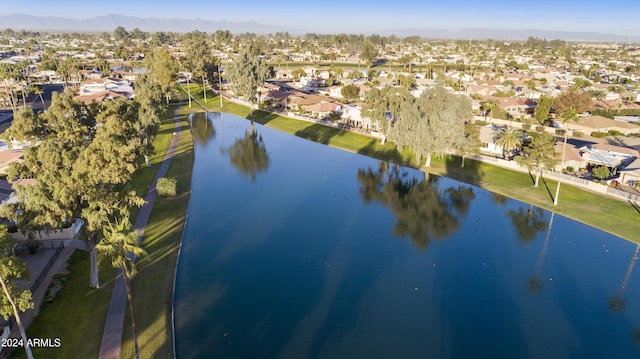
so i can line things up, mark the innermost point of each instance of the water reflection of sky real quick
(294, 261)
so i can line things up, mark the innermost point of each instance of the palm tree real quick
(37, 90)
(509, 139)
(536, 283)
(13, 273)
(540, 154)
(488, 107)
(569, 115)
(120, 244)
(617, 303)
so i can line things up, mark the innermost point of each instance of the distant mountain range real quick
(110, 22)
(507, 34)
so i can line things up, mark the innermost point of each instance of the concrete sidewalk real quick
(112, 335)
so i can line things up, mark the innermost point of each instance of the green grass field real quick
(153, 286)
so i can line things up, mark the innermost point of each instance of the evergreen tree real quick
(14, 277)
(247, 72)
(81, 166)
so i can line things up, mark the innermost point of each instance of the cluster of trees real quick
(85, 157)
(11, 75)
(82, 163)
(433, 123)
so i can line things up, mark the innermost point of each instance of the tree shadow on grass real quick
(319, 133)
(385, 153)
(471, 173)
(262, 117)
(634, 206)
(544, 181)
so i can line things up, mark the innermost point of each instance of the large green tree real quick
(85, 157)
(120, 246)
(350, 92)
(14, 277)
(150, 105)
(199, 60)
(383, 107)
(471, 142)
(433, 124)
(368, 54)
(247, 72)
(164, 70)
(543, 106)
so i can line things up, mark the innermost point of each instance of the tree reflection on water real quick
(202, 128)
(249, 154)
(424, 212)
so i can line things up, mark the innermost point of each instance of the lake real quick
(293, 249)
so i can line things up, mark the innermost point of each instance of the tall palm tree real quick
(509, 139)
(37, 90)
(617, 303)
(120, 244)
(569, 115)
(536, 283)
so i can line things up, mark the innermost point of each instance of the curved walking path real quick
(112, 335)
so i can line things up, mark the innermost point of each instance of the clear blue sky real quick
(357, 16)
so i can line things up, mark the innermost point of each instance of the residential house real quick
(103, 89)
(630, 175)
(590, 124)
(352, 115)
(516, 106)
(614, 157)
(322, 109)
(488, 139)
(572, 156)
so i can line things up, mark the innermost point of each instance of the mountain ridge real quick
(109, 22)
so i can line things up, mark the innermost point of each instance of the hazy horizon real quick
(366, 17)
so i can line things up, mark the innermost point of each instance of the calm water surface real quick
(296, 250)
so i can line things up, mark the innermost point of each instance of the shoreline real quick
(599, 211)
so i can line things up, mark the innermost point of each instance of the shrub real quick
(166, 187)
(540, 128)
(598, 134)
(481, 123)
(601, 172)
(614, 133)
(570, 169)
(560, 132)
(577, 134)
(526, 126)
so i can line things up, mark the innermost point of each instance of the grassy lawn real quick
(78, 313)
(153, 286)
(606, 213)
(73, 315)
